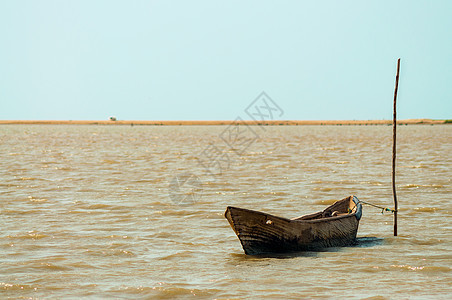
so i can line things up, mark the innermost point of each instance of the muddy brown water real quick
(137, 211)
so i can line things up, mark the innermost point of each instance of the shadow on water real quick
(284, 255)
(369, 241)
(361, 242)
(287, 255)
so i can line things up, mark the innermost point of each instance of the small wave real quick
(162, 291)
(33, 199)
(102, 206)
(29, 235)
(164, 235)
(178, 255)
(64, 168)
(283, 156)
(326, 189)
(19, 212)
(325, 202)
(82, 265)
(416, 186)
(98, 206)
(425, 209)
(52, 267)
(427, 269)
(329, 148)
(410, 186)
(282, 199)
(230, 189)
(436, 186)
(85, 189)
(376, 183)
(415, 167)
(155, 180)
(110, 161)
(115, 236)
(120, 252)
(16, 287)
(276, 193)
(347, 181)
(28, 178)
(415, 241)
(110, 252)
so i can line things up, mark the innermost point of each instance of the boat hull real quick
(260, 233)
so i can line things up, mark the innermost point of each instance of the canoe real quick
(259, 233)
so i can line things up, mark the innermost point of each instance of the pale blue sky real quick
(207, 60)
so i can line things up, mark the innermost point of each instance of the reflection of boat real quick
(259, 232)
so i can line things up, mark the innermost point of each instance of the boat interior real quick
(339, 208)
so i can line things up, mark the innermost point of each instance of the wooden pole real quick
(394, 135)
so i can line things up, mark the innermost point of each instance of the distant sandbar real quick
(228, 122)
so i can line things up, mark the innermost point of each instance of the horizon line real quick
(224, 122)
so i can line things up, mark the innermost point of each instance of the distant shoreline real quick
(226, 122)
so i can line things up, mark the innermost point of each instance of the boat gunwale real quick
(320, 220)
(326, 219)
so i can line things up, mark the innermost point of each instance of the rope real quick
(383, 209)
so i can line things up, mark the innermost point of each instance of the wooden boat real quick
(259, 232)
